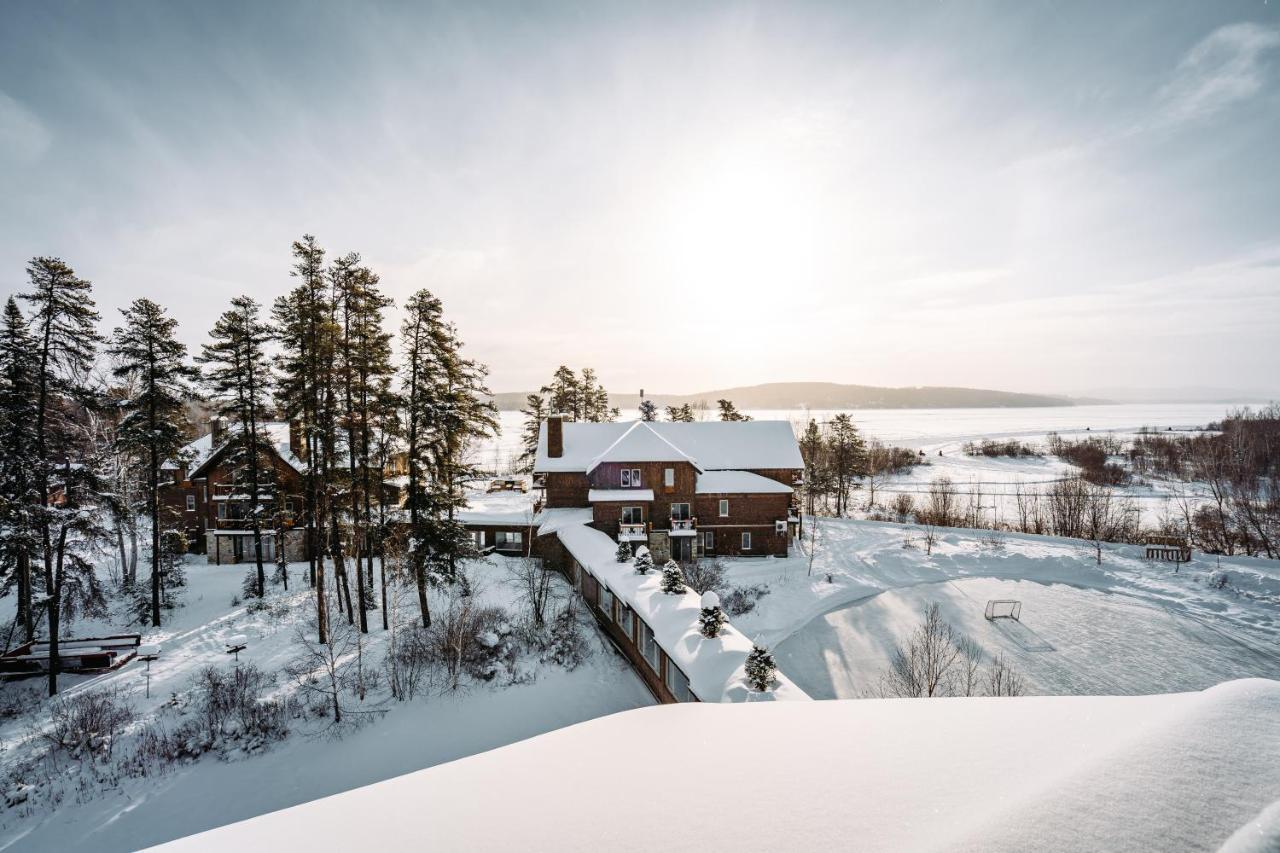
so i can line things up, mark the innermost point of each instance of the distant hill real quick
(831, 395)
(1183, 394)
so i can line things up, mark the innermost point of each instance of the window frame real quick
(724, 507)
(636, 512)
(648, 642)
(745, 540)
(669, 478)
(708, 541)
(624, 479)
(191, 503)
(686, 695)
(688, 511)
(600, 597)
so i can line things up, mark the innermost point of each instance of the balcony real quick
(633, 532)
(684, 526)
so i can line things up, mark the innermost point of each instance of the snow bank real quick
(714, 667)
(1172, 772)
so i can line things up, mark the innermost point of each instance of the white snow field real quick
(210, 792)
(1126, 626)
(1175, 772)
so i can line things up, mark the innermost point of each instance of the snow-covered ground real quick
(1126, 626)
(411, 735)
(1174, 772)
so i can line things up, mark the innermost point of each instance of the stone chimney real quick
(297, 442)
(555, 436)
(218, 429)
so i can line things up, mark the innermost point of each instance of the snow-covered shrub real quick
(409, 662)
(624, 552)
(644, 561)
(86, 725)
(706, 576)
(672, 578)
(249, 586)
(18, 699)
(1219, 580)
(741, 600)
(760, 668)
(231, 704)
(567, 645)
(712, 617)
(902, 506)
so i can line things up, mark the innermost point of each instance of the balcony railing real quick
(628, 532)
(684, 523)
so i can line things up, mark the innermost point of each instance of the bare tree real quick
(533, 584)
(922, 668)
(1002, 680)
(943, 506)
(1105, 518)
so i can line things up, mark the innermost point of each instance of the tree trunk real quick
(155, 536)
(55, 614)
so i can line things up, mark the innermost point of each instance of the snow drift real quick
(1174, 772)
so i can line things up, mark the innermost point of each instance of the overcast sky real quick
(1026, 196)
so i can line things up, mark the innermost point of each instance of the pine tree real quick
(644, 561)
(564, 395)
(847, 455)
(672, 578)
(623, 554)
(729, 412)
(812, 451)
(19, 521)
(63, 323)
(648, 411)
(147, 352)
(760, 668)
(237, 372)
(535, 412)
(712, 618)
(422, 311)
(304, 325)
(682, 414)
(364, 364)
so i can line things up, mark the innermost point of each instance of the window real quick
(635, 477)
(477, 536)
(191, 503)
(680, 512)
(677, 683)
(708, 541)
(649, 647)
(508, 538)
(204, 493)
(724, 509)
(624, 618)
(746, 541)
(222, 511)
(288, 505)
(630, 478)
(626, 478)
(606, 601)
(632, 515)
(669, 477)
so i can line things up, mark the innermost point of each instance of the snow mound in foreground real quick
(1180, 771)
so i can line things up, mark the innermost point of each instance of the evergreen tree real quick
(564, 395)
(19, 516)
(644, 561)
(535, 412)
(712, 618)
(237, 372)
(760, 668)
(729, 412)
(364, 365)
(422, 311)
(63, 323)
(682, 414)
(847, 457)
(304, 326)
(813, 451)
(672, 578)
(152, 430)
(623, 554)
(648, 411)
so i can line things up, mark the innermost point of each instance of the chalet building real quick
(685, 490)
(212, 508)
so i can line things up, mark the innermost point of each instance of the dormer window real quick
(630, 478)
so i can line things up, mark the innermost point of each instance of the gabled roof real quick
(716, 445)
(199, 453)
(641, 443)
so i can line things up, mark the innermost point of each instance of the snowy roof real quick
(197, 453)
(714, 667)
(716, 445)
(1190, 771)
(511, 517)
(607, 495)
(552, 520)
(739, 482)
(641, 443)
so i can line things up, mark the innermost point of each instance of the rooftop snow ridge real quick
(715, 445)
(641, 443)
(714, 667)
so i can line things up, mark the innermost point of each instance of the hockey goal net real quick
(1004, 609)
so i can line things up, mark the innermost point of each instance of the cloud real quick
(1225, 67)
(23, 137)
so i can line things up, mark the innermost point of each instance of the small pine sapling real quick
(712, 617)
(624, 552)
(760, 668)
(672, 578)
(644, 562)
